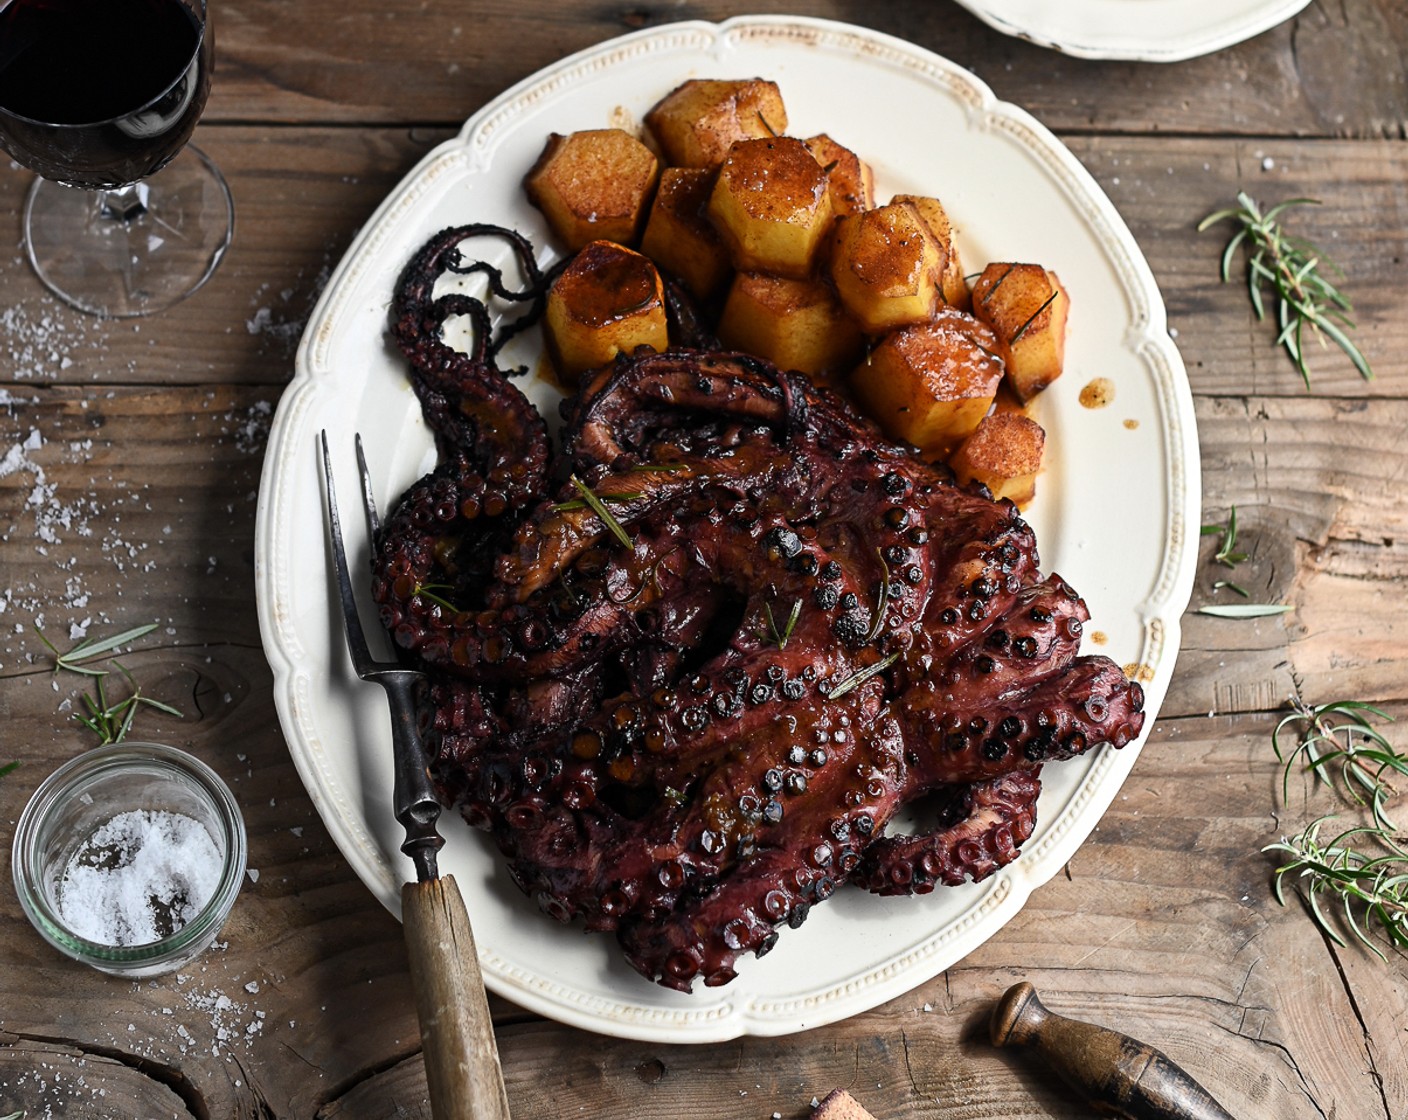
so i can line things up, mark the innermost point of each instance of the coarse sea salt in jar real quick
(129, 858)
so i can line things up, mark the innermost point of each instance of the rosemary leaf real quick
(860, 676)
(782, 637)
(599, 508)
(9, 768)
(1245, 610)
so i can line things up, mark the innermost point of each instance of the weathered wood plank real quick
(1334, 70)
(301, 195)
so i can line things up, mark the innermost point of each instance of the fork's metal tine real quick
(351, 619)
(368, 496)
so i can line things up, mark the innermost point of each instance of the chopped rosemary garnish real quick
(882, 600)
(9, 768)
(578, 503)
(860, 676)
(599, 508)
(1218, 585)
(1032, 318)
(1292, 268)
(1245, 610)
(1225, 554)
(997, 283)
(428, 590)
(781, 637)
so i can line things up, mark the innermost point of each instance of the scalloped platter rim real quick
(1134, 30)
(1015, 192)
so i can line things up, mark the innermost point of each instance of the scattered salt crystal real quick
(1268, 163)
(140, 877)
(252, 987)
(253, 873)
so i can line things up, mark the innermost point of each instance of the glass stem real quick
(124, 204)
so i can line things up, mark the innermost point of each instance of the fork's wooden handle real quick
(457, 1035)
(1118, 1075)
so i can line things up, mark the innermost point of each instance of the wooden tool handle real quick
(1118, 1075)
(457, 1035)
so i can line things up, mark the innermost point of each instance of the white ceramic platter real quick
(1116, 513)
(1141, 30)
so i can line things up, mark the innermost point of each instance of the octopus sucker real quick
(686, 663)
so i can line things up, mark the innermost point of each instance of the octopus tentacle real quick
(995, 818)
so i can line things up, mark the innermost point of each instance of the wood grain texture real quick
(457, 1035)
(132, 455)
(444, 60)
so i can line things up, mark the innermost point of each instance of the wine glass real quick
(99, 97)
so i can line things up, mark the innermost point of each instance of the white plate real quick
(1142, 30)
(1117, 512)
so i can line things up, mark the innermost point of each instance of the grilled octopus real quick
(686, 665)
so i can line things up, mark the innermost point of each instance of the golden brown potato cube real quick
(886, 267)
(1004, 454)
(594, 186)
(931, 383)
(696, 123)
(771, 206)
(795, 324)
(1027, 307)
(850, 180)
(609, 300)
(679, 236)
(952, 284)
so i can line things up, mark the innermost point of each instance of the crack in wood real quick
(169, 1076)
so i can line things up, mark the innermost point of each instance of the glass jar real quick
(65, 834)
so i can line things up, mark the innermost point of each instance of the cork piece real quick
(840, 1105)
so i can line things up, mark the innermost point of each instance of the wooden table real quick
(131, 499)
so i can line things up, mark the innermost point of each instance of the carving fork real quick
(462, 1067)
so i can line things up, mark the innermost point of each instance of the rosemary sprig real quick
(111, 722)
(598, 507)
(1292, 269)
(781, 636)
(1340, 738)
(860, 676)
(1367, 890)
(1225, 554)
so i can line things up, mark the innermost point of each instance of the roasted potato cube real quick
(952, 284)
(696, 123)
(931, 383)
(850, 180)
(795, 324)
(679, 236)
(609, 300)
(1004, 454)
(771, 206)
(1027, 307)
(886, 267)
(594, 186)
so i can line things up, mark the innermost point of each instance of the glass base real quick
(135, 250)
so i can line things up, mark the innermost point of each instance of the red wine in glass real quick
(101, 95)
